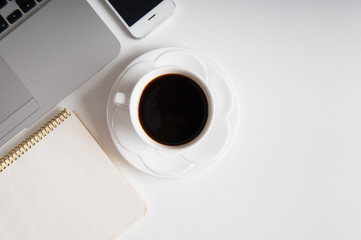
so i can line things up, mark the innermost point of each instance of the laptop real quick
(48, 48)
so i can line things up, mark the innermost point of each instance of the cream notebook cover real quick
(59, 184)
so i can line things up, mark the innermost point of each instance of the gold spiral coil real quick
(33, 139)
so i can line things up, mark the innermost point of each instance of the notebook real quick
(48, 49)
(59, 184)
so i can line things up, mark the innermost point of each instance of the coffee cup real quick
(170, 108)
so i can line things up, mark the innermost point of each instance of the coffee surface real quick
(173, 109)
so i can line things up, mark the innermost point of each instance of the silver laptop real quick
(48, 48)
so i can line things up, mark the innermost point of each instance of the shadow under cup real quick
(174, 109)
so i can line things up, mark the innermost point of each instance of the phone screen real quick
(133, 10)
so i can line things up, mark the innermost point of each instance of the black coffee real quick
(173, 109)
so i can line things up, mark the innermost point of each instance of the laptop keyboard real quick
(15, 12)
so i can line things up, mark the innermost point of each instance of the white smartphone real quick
(140, 17)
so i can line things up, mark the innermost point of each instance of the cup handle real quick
(121, 100)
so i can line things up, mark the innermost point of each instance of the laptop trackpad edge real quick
(18, 117)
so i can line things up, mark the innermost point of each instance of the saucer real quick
(180, 163)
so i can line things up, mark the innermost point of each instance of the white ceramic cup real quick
(130, 100)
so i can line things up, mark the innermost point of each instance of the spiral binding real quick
(34, 138)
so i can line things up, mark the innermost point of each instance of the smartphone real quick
(140, 17)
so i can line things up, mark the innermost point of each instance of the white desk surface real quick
(294, 169)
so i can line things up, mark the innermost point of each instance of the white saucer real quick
(187, 162)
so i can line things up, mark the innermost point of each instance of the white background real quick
(294, 169)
